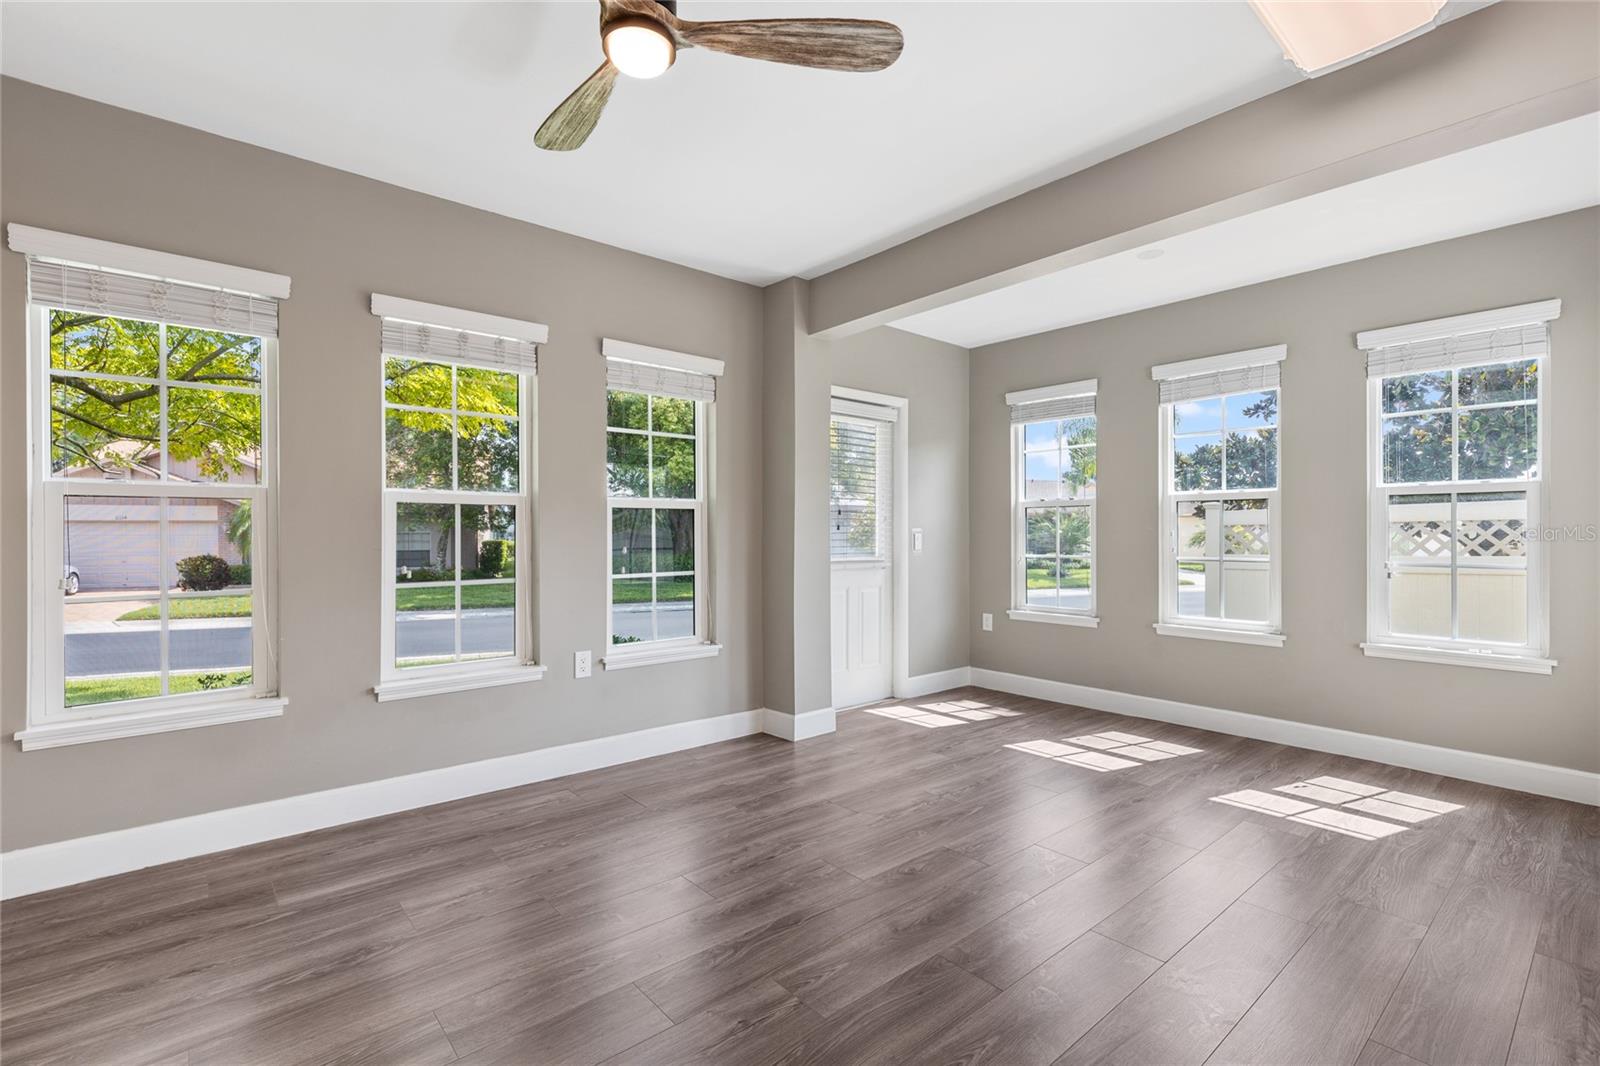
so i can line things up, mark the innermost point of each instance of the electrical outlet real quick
(988, 622)
(582, 664)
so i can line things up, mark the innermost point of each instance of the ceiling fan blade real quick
(831, 44)
(570, 124)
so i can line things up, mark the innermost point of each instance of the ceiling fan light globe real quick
(639, 48)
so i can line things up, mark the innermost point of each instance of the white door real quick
(860, 536)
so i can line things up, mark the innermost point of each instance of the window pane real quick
(112, 650)
(1042, 471)
(1041, 532)
(207, 355)
(103, 345)
(112, 542)
(106, 430)
(671, 415)
(1075, 530)
(1078, 431)
(423, 549)
(1199, 528)
(1498, 383)
(487, 542)
(1197, 416)
(489, 620)
(1492, 525)
(673, 467)
(208, 544)
(1199, 583)
(674, 540)
(424, 626)
(416, 383)
(208, 642)
(487, 453)
(1197, 462)
(1253, 410)
(1244, 528)
(1417, 392)
(1246, 589)
(1253, 459)
(1078, 473)
(417, 450)
(627, 458)
(489, 391)
(1499, 442)
(1043, 578)
(1074, 595)
(214, 435)
(626, 410)
(674, 607)
(630, 540)
(1419, 565)
(1492, 576)
(632, 609)
(1416, 448)
(1039, 436)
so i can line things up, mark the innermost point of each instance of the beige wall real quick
(1320, 675)
(81, 167)
(933, 377)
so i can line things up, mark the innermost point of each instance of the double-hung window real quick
(1054, 447)
(1456, 473)
(658, 411)
(458, 403)
(154, 490)
(1221, 533)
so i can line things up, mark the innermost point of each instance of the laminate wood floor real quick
(972, 878)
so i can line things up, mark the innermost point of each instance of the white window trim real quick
(146, 262)
(700, 645)
(1021, 610)
(1170, 623)
(49, 722)
(1380, 643)
(522, 665)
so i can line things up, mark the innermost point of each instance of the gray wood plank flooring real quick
(889, 893)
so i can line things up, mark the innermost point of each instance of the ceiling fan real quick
(642, 38)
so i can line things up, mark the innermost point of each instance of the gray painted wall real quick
(73, 165)
(933, 376)
(1320, 675)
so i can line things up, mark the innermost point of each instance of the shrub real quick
(425, 573)
(203, 573)
(239, 574)
(493, 555)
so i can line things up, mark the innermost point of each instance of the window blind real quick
(627, 376)
(1219, 382)
(1531, 341)
(107, 292)
(462, 347)
(859, 487)
(1052, 409)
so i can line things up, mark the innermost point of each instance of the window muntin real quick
(154, 481)
(655, 488)
(455, 458)
(1456, 490)
(1055, 480)
(1219, 497)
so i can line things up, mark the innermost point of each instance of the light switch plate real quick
(988, 622)
(916, 540)
(582, 664)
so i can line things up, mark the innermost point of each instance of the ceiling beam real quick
(1513, 67)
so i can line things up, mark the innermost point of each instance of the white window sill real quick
(1232, 636)
(1055, 618)
(165, 720)
(647, 656)
(1487, 660)
(407, 688)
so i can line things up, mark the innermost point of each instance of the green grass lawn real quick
(86, 690)
(1044, 579)
(443, 597)
(668, 590)
(204, 607)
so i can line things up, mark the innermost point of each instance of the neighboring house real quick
(114, 541)
(423, 544)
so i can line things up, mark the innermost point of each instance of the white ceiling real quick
(1533, 175)
(751, 170)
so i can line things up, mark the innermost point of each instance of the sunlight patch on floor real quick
(943, 713)
(1347, 798)
(1109, 751)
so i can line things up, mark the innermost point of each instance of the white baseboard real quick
(927, 684)
(69, 862)
(800, 726)
(1558, 781)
